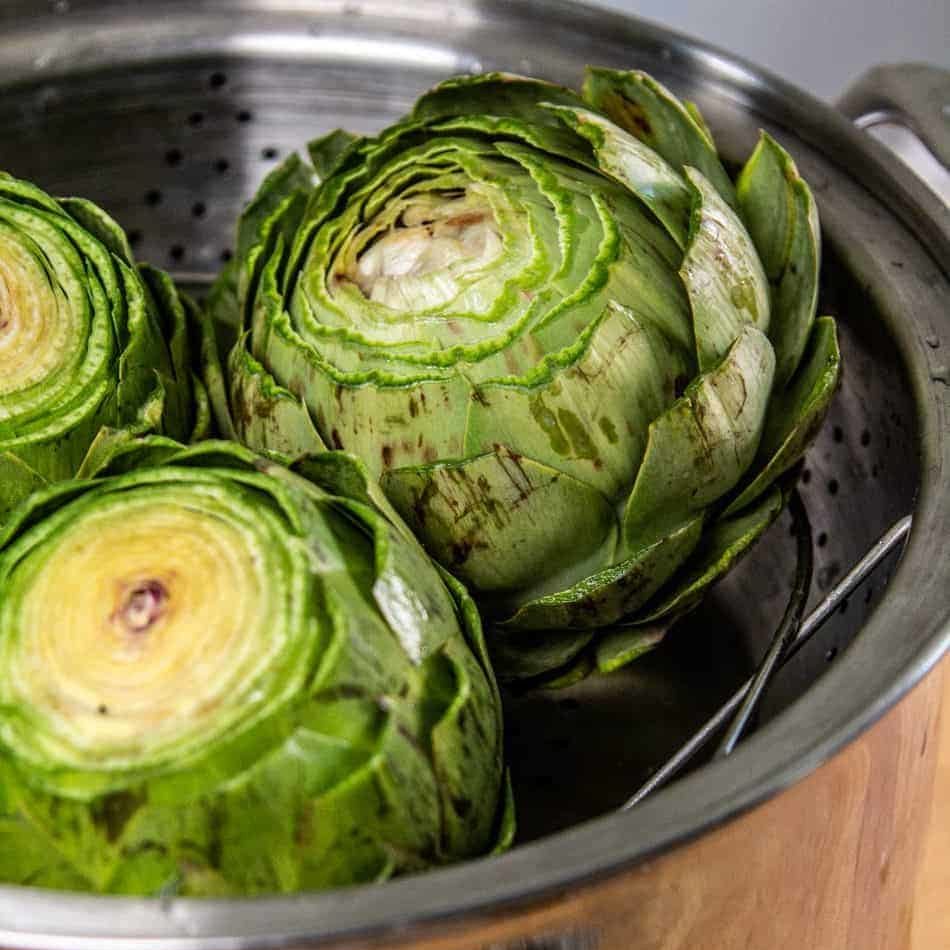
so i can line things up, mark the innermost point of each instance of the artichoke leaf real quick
(290, 178)
(607, 596)
(700, 448)
(101, 225)
(388, 425)
(723, 543)
(526, 654)
(17, 481)
(507, 819)
(223, 310)
(120, 450)
(795, 414)
(496, 520)
(780, 213)
(646, 109)
(460, 745)
(623, 644)
(547, 138)
(267, 417)
(329, 152)
(212, 371)
(638, 167)
(722, 274)
(590, 417)
(581, 667)
(494, 94)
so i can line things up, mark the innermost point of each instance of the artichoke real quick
(222, 677)
(578, 358)
(92, 349)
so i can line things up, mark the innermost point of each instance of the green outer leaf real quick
(292, 176)
(636, 166)
(782, 218)
(507, 819)
(722, 274)
(723, 543)
(223, 310)
(795, 415)
(498, 520)
(340, 473)
(330, 151)
(609, 595)
(622, 645)
(119, 450)
(267, 417)
(644, 108)
(580, 669)
(525, 654)
(499, 94)
(590, 419)
(17, 480)
(212, 372)
(101, 225)
(699, 449)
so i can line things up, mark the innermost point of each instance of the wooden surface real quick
(932, 906)
(832, 864)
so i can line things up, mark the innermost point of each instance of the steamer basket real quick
(169, 114)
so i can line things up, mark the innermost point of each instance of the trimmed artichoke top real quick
(575, 354)
(91, 347)
(222, 677)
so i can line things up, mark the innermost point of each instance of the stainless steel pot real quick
(170, 113)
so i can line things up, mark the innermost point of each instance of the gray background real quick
(820, 45)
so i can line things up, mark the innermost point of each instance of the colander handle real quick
(907, 107)
(914, 95)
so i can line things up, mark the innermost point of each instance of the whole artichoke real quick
(92, 349)
(576, 355)
(221, 677)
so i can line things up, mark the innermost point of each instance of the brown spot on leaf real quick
(628, 115)
(387, 453)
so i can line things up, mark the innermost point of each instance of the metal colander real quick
(169, 115)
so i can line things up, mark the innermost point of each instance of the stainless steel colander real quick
(170, 113)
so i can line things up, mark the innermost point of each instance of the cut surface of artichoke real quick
(150, 624)
(555, 331)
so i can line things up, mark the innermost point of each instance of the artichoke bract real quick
(577, 356)
(220, 677)
(92, 349)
